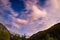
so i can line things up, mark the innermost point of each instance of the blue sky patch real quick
(17, 5)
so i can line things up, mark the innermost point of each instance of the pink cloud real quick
(54, 4)
(20, 21)
(49, 17)
(36, 12)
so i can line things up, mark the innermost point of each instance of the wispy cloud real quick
(20, 21)
(37, 19)
(56, 4)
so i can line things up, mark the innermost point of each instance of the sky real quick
(29, 16)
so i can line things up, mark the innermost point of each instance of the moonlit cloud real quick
(20, 21)
(31, 21)
(54, 4)
(37, 13)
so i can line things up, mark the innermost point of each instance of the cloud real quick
(5, 2)
(37, 19)
(20, 21)
(50, 17)
(35, 11)
(7, 13)
(3, 21)
(55, 4)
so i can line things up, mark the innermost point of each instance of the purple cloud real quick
(37, 19)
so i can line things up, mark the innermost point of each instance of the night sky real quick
(29, 16)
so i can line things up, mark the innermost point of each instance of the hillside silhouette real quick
(52, 33)
(6, 35)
